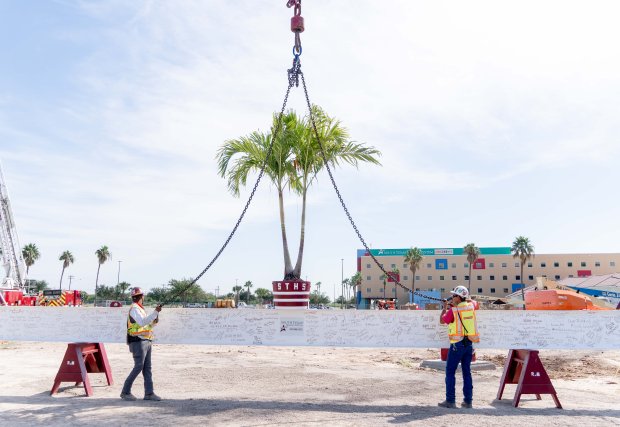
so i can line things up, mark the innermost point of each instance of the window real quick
(466, 265)
(583, 263)
(479, 290)
(466, 277)
(517, 277)
(517, 264)
(430, 278)
(382, 277)
(454, 265)
(544, 275)
(443, 290)
(367, 277)
(405, 265)
(368, 290)
(491, 264)
(478, 277)
(570, 275)
(393, 290)
(441, 277)
(491, 277)
(569, 264)
(504, 265)
(505, 290)
(428, 265)
(393, 265)
(453, 277)
(543, 264)
(405, 277)
(492, 290)
(504, 277)
(530, 277)
(597, 264)
(367, 265)
(529, 265)
(612, 263)
(557, 277)
(556, 264)
(417, 277)
(417, 289)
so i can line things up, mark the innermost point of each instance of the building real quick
(606, 286)
(495, 273)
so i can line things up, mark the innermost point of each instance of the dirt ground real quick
(262, 386)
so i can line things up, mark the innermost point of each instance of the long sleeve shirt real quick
(136, 315)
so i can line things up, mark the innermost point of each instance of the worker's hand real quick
(158, 308)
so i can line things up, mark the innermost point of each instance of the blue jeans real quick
(459, 353)
(141, 352)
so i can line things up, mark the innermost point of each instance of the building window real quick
(597, 264)
(417, 277)
(491, 264)
(491, 277)
(443, 290)
(453, 277)
(517, 264)
(583, 263)
(517, 277)
(504, 265)
(492, 290)
(544, 275)
(570, 275)
(393, 266)
(466, 265)
(367, 265)
(504, 277)
(529, 265)
(454, 265)
(556, 264)
(417, 289)
(612, 263)
(368, 290)
(393, 290)
(466, 277)
(382, 277)
(405, 277)
(428, 265)
(430, 278)
(505, 290)
(543, 264)
(530, 277)
(441, 277)
(367, 277)
(478, 277)
(569, 264)
(557, 277)
(479, 290)
(405, 265)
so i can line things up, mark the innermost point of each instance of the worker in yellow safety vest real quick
(139, 338)
(460, 316)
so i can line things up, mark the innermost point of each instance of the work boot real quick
(128, 396)
(152, 396)
(466, 405)
(446, 404)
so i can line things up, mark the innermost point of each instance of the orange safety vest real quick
(464, 324)
(135, 330)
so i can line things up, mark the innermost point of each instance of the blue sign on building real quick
(441, 264)
(516, 287)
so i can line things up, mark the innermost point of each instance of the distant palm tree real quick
(414, 258)
(523, 249)
(30, 252)
(236, 290)
(248, 285)
(472, 252)
(103, 254)
(67, 259)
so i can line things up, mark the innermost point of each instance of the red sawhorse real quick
(81, 359)
(524, 368)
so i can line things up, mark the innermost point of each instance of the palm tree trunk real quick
(62, 274)
(522, 286)
(412, 283)
(97, 283)
(288, 267)
(302, 237)
(469, 284)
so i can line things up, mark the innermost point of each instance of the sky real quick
(494, 120)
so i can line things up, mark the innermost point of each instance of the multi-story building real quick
(495, 273)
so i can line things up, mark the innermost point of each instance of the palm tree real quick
(523, 249)
(294, 163)
(414, 258)
(248, 285)
(355, 281)
(67, 259)
(472, 252)
(103, 254)
(236, 290)
(30, 252)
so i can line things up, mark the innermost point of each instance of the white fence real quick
(499, 329)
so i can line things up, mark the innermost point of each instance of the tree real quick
(236, 290)
(263, 295)
(180, 291)
(103, 254)
(121, 288)
(294, 164)
(37, 285)
(472, 252)
(248, 285)
(67, 259)
(158, 294)
(395, 273)
(414, 258)
(523, 249)
(30, 252)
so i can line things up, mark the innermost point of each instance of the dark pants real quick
(459, 353)
(141, 352)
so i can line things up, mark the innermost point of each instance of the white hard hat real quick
(460, 291)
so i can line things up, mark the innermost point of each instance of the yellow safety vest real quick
(135, 330)
(464, 324)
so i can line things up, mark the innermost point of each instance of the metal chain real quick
(344, 206)
(292, 80)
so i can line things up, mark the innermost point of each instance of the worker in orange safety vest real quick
(460, 316)
(139, 338)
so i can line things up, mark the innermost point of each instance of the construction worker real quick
(139, 338)
(459, 314)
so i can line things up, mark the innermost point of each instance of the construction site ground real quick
(262, 386)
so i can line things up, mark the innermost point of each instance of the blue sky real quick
(495, 119)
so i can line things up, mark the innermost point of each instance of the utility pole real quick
(70, 279)
(217, 291)
(118, 277)
(341, 282)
